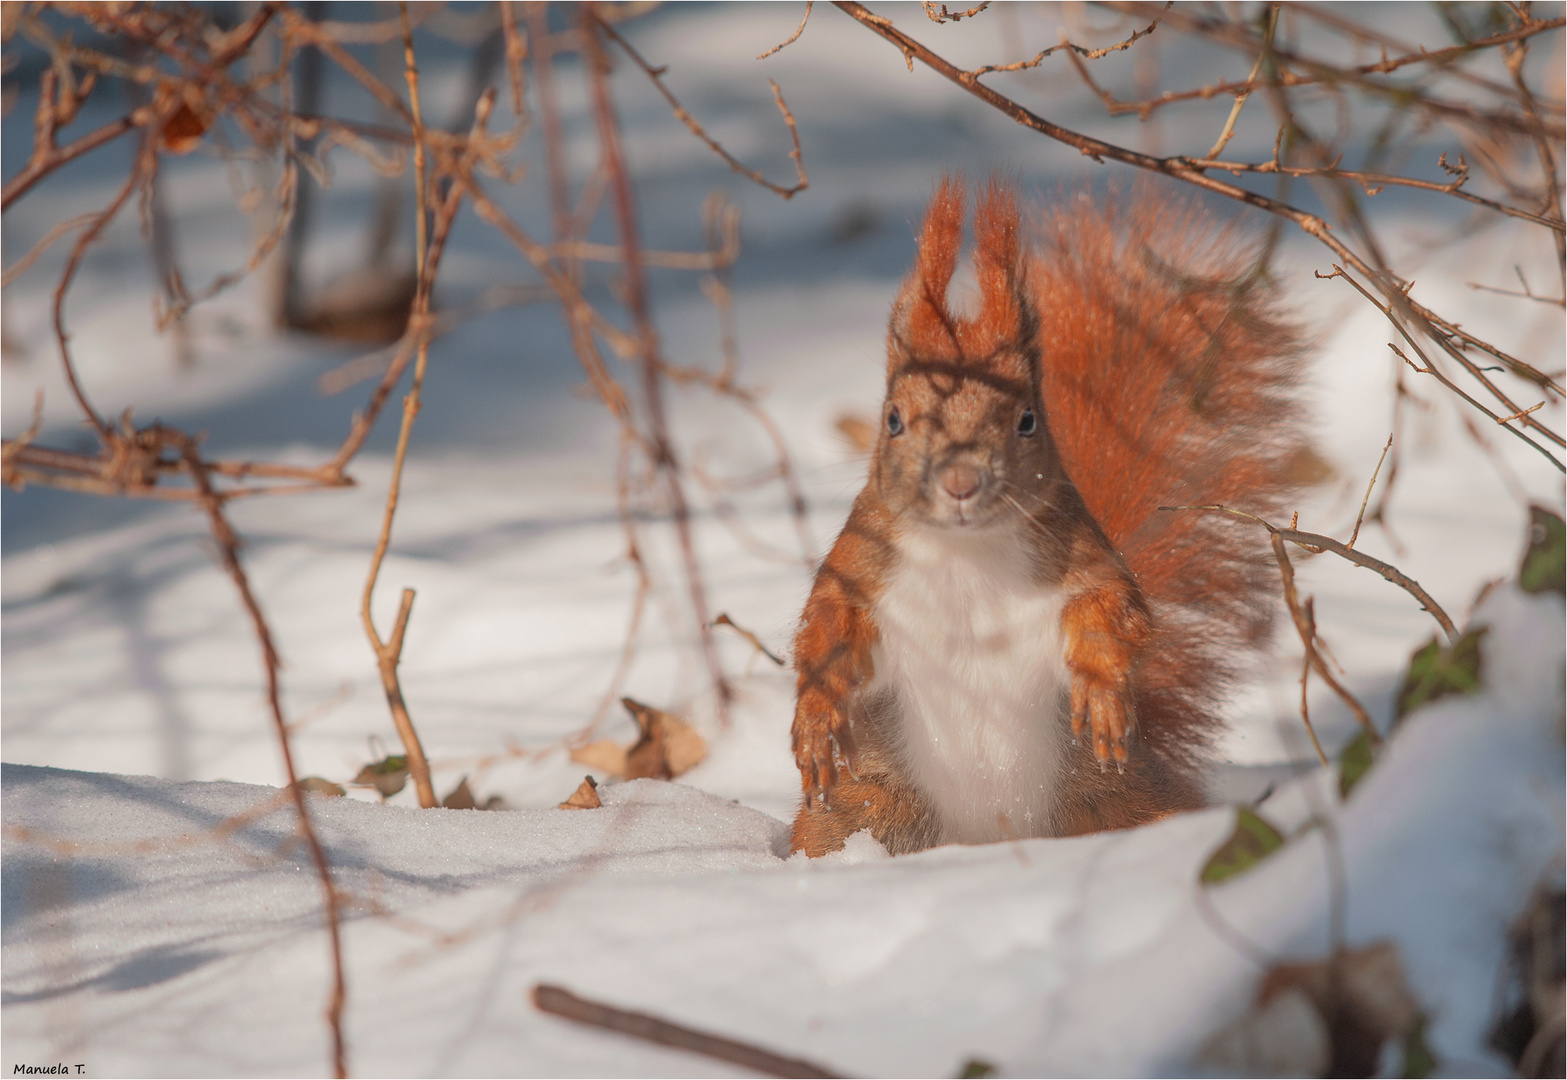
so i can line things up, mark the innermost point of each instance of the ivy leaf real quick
(1436, 672)
(1544, 567)
(387, 776)
(1252, 841)
(1354, 763)
(1419, 1061)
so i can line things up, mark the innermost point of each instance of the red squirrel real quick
(1010, 638)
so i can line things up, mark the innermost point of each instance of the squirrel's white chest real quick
(971, 648)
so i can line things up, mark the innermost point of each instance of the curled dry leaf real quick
(183, 130)
(462, 798)
(586, 797)
(666, 747)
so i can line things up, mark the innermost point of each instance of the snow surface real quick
(132, 708)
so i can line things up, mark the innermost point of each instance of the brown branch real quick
(20, 267)
(1234, 36)
(659, 445)
(1431, 369)
(1305, 625)
(1183, 168)
(1373, 182)
(1067, 46)
(657, 77)
(1412, 55)
(389, 652)
(1514, 57)
(944, 16)
(228, 554)
(558, 1001)
(1318, 543)
(794, 36)
(132, 181)
(725, 620)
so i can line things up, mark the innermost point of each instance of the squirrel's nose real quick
(960, 480)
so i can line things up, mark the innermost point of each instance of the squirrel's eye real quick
(894, 423)
(1026, 423)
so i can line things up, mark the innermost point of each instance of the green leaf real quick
(388, 776)
(1436, 672)
(1544, 567)
(976, 1069)
(1354, 763)
(1419, 1061)
(1251, 842)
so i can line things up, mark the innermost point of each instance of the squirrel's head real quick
(963, 440)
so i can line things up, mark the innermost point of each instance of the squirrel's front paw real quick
(1104, 707)
(822, 746)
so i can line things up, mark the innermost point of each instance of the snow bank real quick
(1088, 956)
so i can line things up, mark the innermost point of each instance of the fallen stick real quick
(559, 1001)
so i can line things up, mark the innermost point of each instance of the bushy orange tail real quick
(1167, 376)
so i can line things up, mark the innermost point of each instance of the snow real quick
(139, 941)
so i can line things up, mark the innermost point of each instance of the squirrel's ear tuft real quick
(998, 267)
(921, 318)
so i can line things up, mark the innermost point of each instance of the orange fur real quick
(1161, 373)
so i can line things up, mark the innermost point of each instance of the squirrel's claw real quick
(1104, 707)
(822, 749)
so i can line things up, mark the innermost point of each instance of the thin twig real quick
(1316, 543)
(657, 76)
(1373, 483)
(794, 36)
(389, 652)
(1305, 626)
(228, 553)
(660, 447)
(1240, 99)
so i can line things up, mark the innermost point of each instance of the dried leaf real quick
(318, 785)
(1437, 671)
(586, 797)
(668, 746)
(977, 1069)
(1354, 763)
(1544, 567)
(388, 776)
(183, 130)
(1252, 841)
(605, 755)
(461, 797)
